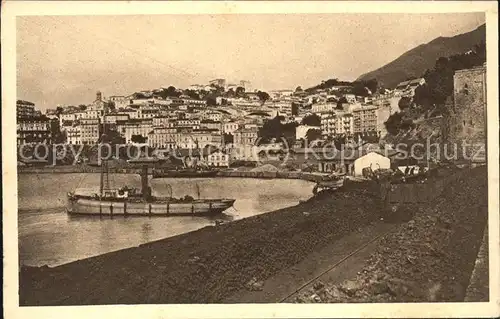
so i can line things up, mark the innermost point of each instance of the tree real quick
(230, 93)
(211, 101)
(228, 138)
(341, 101)
(82, 107)
(192, 94)
(139, 95)
(240, 91)
(274, 129)
(171, 91)
(393, 123)
(372, 85)
(359, 88)
(404, 103)
(339, 141)
(263, 96)
(112, 105)
(59, 111)
(138, 139)
(312, 120)
(313, 134)
(113, 137)
(295, 108)
(298, 89)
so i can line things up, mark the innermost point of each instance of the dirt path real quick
(336, 261)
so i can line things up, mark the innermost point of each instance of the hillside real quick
(415, 62)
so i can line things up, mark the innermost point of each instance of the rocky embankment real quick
(207, 265)
(430, 258)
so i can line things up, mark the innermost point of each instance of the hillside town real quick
(227, 121)
(203, 168)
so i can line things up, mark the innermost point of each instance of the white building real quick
(133, 127)
(373, 160)
(337, 123)
(73, 134)
(218, 159)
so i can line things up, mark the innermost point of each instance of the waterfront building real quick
(73, 133)
(206, 137)
(164, 138)
(33, 129)
(246, 136)
(90, 131)
(140, 127)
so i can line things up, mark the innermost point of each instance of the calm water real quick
(47, 235)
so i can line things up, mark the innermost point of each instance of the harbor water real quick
(49, 236)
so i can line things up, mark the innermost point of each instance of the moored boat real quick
(130, 202)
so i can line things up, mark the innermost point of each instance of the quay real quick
(69, 169)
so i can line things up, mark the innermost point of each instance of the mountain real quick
(415, 62)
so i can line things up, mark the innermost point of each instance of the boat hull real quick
(85, 206)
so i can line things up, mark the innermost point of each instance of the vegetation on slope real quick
(413, 63)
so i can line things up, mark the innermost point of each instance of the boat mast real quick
(104, 163)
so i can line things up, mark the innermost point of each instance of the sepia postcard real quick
(250, 159)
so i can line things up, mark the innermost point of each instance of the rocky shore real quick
(430, 258)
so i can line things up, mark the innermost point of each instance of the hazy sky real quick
(65, 60)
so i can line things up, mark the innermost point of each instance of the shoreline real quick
(311, 177)
(222, 258)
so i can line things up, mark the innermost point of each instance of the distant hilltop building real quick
(408, 87)
(247, 85)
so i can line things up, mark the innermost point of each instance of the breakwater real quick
(311, 177)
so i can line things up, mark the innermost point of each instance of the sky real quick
(64, 60)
